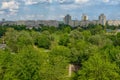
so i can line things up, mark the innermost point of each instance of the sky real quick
(57, 9)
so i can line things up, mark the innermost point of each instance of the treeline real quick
(52, 29)
(45, 53)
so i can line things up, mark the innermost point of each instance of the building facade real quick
(84, 22)
(113, 22)
(84, 17)
(67, 19)
(102, 19)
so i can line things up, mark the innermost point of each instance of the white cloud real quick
(81, 1)
(32, 17)
(111, 2)
(2, 12)
(77, 4)
(69, 7)
(114, 2)
(50, 1)
(61, 1)
(13, 11)
(31, 2)
(11, 7)
(106, 1)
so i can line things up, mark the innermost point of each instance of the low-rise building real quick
(113, 22)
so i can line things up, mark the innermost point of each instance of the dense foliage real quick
(45, 53)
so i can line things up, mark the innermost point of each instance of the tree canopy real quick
(46, 53)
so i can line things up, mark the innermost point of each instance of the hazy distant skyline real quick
(57, 9)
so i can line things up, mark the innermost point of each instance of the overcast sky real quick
(57, 9)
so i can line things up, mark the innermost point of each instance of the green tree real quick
(43, 41)
(17, 40)
(100, 40)
(26, 65)
(98, 68)
(86, 34)
(64, 40)
(117, 42)
(97, 29)
(75, 34)
(5, 62)
(113, 53)
(58, 62)
(56, 68)
(81, 51)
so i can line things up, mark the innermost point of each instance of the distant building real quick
(94, 22)
(84, 17)
(113, 22)
(67, 19)
(20, 22)
(30, 23)
(48, 23)
(8, 23)
(102, 19)
(84, 23)
(74, 23)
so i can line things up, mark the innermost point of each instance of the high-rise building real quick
(102, 19)
(67, 19)
(84, 17)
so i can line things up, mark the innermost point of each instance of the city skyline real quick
(83, 17)
(57, 9)
(84, 22)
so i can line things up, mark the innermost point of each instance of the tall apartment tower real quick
(67, 19)
(102, 19)
(84, 17)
